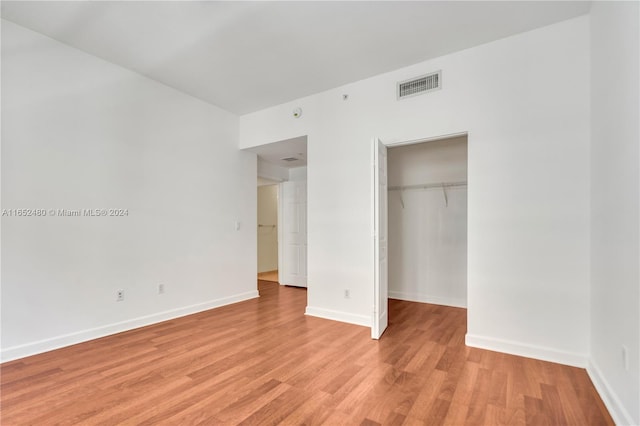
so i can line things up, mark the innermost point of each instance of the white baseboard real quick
(338, 316)
(526, 350)
(34, 348)
(620, 416)
(425, 298)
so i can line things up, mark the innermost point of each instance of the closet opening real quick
(427, 221)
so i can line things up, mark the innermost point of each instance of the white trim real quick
(429, 139)
(425, 298)
(34, 348)
(530, 351)
(338, 316)
(611, 401)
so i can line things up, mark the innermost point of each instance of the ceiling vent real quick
(420, 85)
(289, 159)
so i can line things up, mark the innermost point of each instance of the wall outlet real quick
(625, 357)
(160, 288)
(120, 295)
(347, 293)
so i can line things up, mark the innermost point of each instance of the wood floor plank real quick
(456, 415)
(498, 389)
(276, 410)
(244, 407)
(311, 412)
(465, 385)
(427, 396)
(479, 398)
(394, 419)
(263, 362)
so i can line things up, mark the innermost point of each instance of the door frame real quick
(374, 214)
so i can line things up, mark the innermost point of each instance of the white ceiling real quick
(275, 153)
(245, 56)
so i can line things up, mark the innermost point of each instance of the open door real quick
(293, 262)
(380, 242)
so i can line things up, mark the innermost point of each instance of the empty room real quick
(310, 212)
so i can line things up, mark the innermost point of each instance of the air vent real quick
(289, 159)
(420, 85)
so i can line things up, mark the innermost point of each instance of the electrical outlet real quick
(347, 293)
(160, 288)
(120, 295)
(625, 357)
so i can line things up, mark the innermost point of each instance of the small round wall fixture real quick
(297, 112)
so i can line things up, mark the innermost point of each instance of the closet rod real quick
(428, 185)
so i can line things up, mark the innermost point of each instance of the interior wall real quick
(615, 207)
(267, 228)
(524, 101)
(298, 173)
(81, 133)
(428, 227)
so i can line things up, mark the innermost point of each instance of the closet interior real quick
(428, 222)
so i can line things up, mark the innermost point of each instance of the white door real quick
(293, 264)
(380, 292)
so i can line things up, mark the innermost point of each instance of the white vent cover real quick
(420, 85)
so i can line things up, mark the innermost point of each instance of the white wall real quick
(615, 207)
(268, 232)
(298, 173)
(428, 232)
(80, 133)
(524, 102)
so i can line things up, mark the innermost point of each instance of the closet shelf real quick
(428, 186)
(440, 185)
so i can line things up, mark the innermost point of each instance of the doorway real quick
(426, 216)
(282, 211)
(282, 231)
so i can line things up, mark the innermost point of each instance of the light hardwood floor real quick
(268, 276)
(264, 362)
